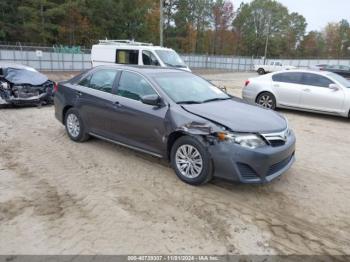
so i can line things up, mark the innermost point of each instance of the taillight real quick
(55, 86)
(246, 82)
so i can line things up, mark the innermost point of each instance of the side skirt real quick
(310, 110)
(125, 145)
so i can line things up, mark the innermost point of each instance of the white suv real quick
(134, 53)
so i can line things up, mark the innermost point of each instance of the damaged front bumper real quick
(261, 165)
(26, 94)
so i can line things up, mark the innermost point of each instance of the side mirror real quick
(153, 100)
(334, 87)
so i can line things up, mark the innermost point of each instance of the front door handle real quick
(306, 90)
(79, 93)
(117, 104)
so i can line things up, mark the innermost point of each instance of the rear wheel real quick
(74, 126)
(261, 71)
(191, 161)
(267, 100)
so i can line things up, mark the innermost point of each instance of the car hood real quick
(239, 116)
(20, 76)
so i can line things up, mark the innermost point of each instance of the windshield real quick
(189, 89)
(340, 79)
(170, 58)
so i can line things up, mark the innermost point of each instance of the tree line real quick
(190, 26)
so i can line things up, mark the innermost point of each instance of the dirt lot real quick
(60, 197)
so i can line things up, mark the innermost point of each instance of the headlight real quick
(246, 140)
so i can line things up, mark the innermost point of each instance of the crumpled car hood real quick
(21, 85)
(239, 116)
(24, 76)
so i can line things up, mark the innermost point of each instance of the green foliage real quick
(67, 49)
(190, 26)
(260, 18)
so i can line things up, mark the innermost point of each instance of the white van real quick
(134, 53)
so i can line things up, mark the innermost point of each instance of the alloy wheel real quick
(189, 161)
(266, 101)
(73, 125)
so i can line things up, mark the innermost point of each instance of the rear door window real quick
(316, 80)
(128, 57)
(101, 80)
(134, 86)
(292, 77)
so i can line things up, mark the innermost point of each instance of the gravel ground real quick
(61, 197)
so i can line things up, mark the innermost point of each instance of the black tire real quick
(206, 173)
(261, 71)
(266, 96)
(82, 135)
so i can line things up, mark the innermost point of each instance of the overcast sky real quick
(317, 12)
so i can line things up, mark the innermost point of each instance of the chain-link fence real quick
(229, 63)
(62, 58)
(233, 63)
(56, 58)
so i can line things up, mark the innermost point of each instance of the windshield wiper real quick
(189, 102)
(216, 99)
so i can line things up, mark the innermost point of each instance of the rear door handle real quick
(306, 90)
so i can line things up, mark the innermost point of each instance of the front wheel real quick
(191, 161)
(74, 126)
(266, 100)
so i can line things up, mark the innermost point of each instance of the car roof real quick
(144, 69)
(319, 72)
(132, 47)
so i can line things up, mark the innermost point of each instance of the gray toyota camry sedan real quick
(176, 115)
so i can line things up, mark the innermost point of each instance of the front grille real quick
(276, 139)
(247, 172)
(275, 143)
(279, 166)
